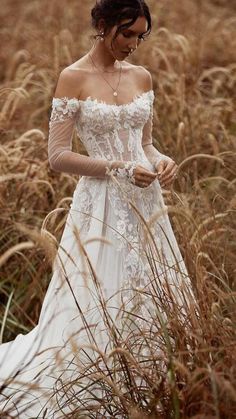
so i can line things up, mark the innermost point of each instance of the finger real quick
(148, 178)
(171, 167)
(149, 173)
(160, 167)
(146, 175)
(170, 176)
(142, 184)
(145, 181)
(144, 169)
(166, 184)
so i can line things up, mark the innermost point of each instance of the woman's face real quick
(127, 40)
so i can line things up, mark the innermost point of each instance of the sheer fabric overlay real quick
(112, 231)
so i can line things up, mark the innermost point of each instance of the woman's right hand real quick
(143, 177)
(135, 172)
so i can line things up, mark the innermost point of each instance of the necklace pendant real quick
(115, 94)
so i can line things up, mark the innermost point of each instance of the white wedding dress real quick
(103, 254)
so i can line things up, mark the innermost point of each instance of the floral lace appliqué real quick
(63, 108)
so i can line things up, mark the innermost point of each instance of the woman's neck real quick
(103, 58)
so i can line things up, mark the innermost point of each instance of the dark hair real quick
(112, 12)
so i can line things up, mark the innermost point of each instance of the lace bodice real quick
(114, 132)
(108, 133)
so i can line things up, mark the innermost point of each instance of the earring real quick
(102, 36)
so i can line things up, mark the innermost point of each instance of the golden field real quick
(191, 54)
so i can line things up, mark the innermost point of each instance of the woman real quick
(117, 215)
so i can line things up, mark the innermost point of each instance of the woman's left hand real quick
(167, 172)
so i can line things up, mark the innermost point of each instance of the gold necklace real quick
(115, 93)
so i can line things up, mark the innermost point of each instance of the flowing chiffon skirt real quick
(115, 234)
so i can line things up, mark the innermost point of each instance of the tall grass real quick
(192, 57)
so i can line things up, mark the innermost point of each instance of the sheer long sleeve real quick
(60, 154)
(153, 155)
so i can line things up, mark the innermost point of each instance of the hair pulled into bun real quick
(112, 12)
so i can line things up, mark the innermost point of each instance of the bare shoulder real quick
(142, 75)
(70, 80)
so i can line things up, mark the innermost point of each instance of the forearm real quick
(152, 154)
(74, 163)
(63, 159)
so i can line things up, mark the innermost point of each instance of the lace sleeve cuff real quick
(127, 171)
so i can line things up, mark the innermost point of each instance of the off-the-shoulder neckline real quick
(90, 99)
